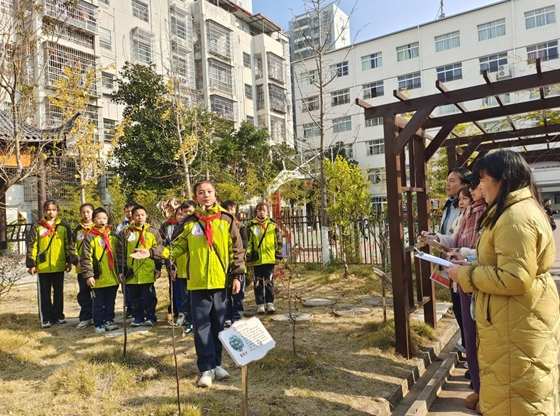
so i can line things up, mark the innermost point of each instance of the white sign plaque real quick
(247, 341)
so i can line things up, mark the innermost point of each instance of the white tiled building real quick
(503, 38)
(224, 56)
(331, 26)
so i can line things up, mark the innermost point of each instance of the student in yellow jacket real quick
(516, 304)
(100, 270)
(50, 252)
(264, 249)
(80, 233)
(211, 242)
(140, 274)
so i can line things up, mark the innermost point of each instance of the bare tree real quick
(320, 75)
(10, 272)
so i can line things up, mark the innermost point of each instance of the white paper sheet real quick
(434, 259)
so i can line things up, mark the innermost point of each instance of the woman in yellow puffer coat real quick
(517, 311)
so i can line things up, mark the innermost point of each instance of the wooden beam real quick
(518, 143)
(451, 155)
(438, 140)
(518, 108)
(411, 128)
(403, 344)
(509, 134)
(441, 86)
(468, 93)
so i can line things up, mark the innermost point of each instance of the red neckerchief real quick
(171, 221)
(104, 234)
(50, 228)
(207, 220)
(141, 231)
(262, 223)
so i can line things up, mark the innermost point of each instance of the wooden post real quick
(400, 287)
(451, 155)
(244, 391)
(428, 286)
(407, 271)
(412, 230)
(3, 221)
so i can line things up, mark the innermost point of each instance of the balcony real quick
(80, 15)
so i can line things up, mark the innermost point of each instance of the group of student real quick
(202, 245)
(497, 231)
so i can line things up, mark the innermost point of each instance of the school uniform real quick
(49, 249)
(140, 274)
(263, 250)
(84, 294)
(211, 243)
(98, 260)
(235, 306)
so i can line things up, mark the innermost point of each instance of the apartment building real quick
(222, 55)
(329, 26)
(504, 39)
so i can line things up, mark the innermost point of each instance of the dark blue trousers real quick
(181, 299)
(235, 302)
(208, 311)
(84, 299)
(143, 300)
(104, 305)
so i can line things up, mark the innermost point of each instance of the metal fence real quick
(16, 235)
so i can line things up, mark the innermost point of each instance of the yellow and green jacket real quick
(96, 256)
(80, 233)
(148, 237)
(55, 256)
(207, 267)
(271, 248)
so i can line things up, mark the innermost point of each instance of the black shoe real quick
(468, 375)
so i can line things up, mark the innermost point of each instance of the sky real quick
(371, 18)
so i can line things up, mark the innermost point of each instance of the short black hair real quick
(87, 204)
(198, 184)
(99, 210)
(50, 202)
(138, 207)
(187, 204)
(463, 174)
(130, 205)
(228, 204)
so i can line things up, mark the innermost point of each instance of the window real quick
(251, 120)
(492, 63)
(258, 66)
(450, 72)
(104, 2)
(277, 129)
(105, 38)
(342, 124)
(409, 81)
(180, 67)
(218, 38)
(30, 189)
(219, 75)
(492, 29)
(260, 97)
(141, 46)
(140, 10)
(447, 41)
(410, 51)
(310, 76)
(249, 91)
(347, 150)
(375, 121)
(107, 80)
(340, 69)
(546, 51)
(246, 60)
(310, 103)
(376, 175)
(310, 130)
(109, 129)
(375, 60)
(375, 147)
(277, 98)
(178, 23)
(373, 89)
(275, 67)
(340, 97)
(540, 17)
(222, 106)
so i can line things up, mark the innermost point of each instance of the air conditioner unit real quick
(504, 71)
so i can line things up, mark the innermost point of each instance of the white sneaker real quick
(148, 322)
(260, 309)
(180, 320)
(111, 326)
(84, 324)
(206, 379)
(220, 373)
(270, 308)
(46, 325)
(99, 329)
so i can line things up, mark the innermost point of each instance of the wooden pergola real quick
(407, 151)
